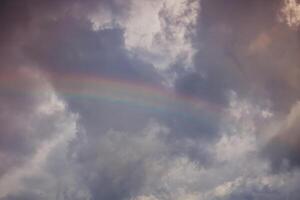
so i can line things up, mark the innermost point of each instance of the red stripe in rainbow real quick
(114, 90)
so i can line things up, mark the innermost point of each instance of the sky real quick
(149, 100)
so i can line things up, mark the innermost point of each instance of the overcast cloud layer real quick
(239, 57)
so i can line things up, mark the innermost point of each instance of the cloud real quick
(163, 41)
(73, 47)
(44, 125)
(236, 57)
(290, 13)
(170, 34)
(237, 46)
(146, 161)
(282, 148)
(163, 172)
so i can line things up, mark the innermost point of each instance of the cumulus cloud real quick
(169, 35)
(291, 13)
(163, 172)
(43, 125)
(159, 32)
(236, 58)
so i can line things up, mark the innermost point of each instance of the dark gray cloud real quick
(238, 56)
(243, 42)
(72, 47)
(283, 155)
(23, 196)
(23, 125)
(283, 148)
(243, 46)
(225, 32)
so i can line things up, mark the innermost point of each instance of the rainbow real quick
(117, 91)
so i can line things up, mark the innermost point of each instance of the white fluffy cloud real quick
(166, 175)
(49, 127)
(162, 30)
(159, 32)
(49, 152)
(145, 160)
(290, 13)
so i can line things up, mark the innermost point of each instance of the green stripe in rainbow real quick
(119, 91)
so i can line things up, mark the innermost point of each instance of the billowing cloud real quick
(34, 130)
(168, 38)
(159, 32)
(291, 13)
(149, 100)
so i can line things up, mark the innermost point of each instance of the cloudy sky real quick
(149, 100)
